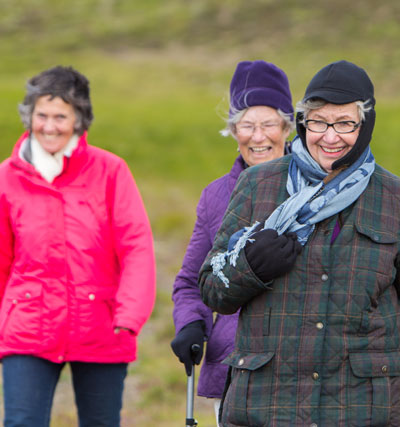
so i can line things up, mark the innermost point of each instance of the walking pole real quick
(190, 421)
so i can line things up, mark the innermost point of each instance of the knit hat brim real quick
(264, 96)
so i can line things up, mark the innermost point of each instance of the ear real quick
(233, 129)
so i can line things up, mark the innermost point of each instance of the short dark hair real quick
(64, 82)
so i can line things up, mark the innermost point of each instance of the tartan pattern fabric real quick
(320, 345)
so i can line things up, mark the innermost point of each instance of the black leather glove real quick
(192, 333)
(271, 255)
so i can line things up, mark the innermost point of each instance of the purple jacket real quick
(186, 295)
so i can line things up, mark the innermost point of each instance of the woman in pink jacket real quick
(77, 270)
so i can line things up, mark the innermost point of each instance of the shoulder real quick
(4, 165)
(384, 175)
(214, 198)
(389, 182)
(221, 182)
(105, 162)
(274, 170)
(97, 153)
(383, 193)
(6, 175)
(217, 184)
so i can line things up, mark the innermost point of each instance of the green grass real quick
(160, 74)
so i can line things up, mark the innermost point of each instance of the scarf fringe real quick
(218, 261)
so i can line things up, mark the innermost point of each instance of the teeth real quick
(259, 149)
(332, 150)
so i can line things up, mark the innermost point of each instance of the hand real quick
(192, 333)
(271, 255)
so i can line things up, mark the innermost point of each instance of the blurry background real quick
(160, 73)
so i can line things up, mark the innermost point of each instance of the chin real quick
(257, 161)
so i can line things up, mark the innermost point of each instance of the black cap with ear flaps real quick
(343, 82)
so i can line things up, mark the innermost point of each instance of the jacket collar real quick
(74, 163)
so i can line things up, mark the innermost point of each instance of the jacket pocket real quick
(21, 317)
(375, 388)
(377, 249)
(374, 273)
(377, 235)
(248, 394)
(95, 314)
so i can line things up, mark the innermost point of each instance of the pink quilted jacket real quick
(76, 259)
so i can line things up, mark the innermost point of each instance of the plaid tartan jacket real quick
(320, 346)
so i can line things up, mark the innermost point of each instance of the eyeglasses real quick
(248, 129)
(319, 126)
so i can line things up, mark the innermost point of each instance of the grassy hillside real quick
(160, 73)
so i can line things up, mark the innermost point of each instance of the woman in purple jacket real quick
(260, 119)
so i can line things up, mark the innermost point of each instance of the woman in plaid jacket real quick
(314, 269)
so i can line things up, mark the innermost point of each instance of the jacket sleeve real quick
(6, 245)
(188, 305)
(133, 242)
(243, 283)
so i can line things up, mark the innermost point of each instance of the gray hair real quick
(304, 108)
(64, 82)
(230, 129)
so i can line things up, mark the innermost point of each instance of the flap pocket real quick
(375, 364)
(90, 292)
(376, 235)
(23, 292)
(248, 361)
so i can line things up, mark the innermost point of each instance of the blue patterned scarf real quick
(311, 201)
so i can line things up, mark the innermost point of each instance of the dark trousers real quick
(29, 384)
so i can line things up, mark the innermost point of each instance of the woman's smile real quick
(329, 146)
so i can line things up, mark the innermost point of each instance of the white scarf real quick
(51, 165)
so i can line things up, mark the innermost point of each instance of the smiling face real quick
(329, 146)
(53, 123)
(267, 141)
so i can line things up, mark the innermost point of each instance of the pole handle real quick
(195, 348)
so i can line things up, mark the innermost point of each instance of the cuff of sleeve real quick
(260, 283)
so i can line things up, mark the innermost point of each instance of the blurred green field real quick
(160, 74)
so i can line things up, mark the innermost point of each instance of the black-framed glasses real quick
(319, 126)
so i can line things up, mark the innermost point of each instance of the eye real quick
(269, 124)
(344, 125)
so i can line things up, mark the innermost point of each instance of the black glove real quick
(271, 255)
(192, 333)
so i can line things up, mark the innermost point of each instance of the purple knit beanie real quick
(260, 83)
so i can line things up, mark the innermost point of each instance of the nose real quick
(331, 136)
(49, 125)
(258, 134)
